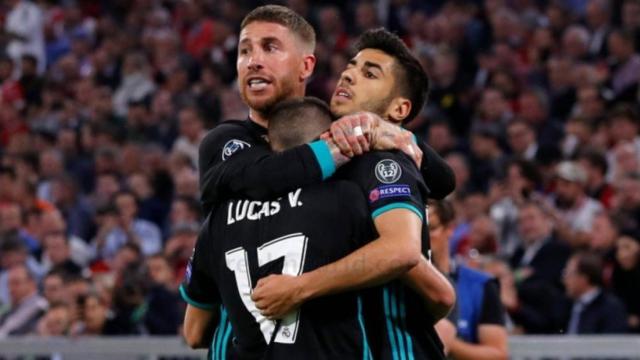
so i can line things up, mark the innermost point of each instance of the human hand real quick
(352, 133)
(277, 295)
(387, 136)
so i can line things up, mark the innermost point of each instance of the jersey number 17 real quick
(293, 248)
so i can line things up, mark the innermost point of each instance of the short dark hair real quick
(595, 158)
(444, 209)
(589, 265)
(284, 16)
(296, 121)
(626, 35)
(624, 111)
(412, 81)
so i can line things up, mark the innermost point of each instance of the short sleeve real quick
(493, 311)
(389, 180)
(362, 228)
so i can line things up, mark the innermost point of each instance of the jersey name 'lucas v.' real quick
(252, 210)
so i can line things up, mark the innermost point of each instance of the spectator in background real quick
(578, 132)
(487, 159)
(151, 206)
(520, 183)
(575, 43)
(24, 26)
(163, 315)
(535, 111)
(594, 310)
(626, 73)
(56, 321)
(94, 316)
(575, 210)
(57, 254)
(598, 16)
(26, 305)
(136, 82)
(626, 275)
(14, 253)
(126, 226)
(53, 287)
(192, 132)
(77, 211)
(521, 138)
(479, 316)
(595, 166)
(602, 241)
(537, 265)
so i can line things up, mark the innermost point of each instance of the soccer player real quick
(275, 58)
(386, 79)
(298, 232)
(235, 159)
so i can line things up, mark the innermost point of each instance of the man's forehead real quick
(258, 30)
(375, 56)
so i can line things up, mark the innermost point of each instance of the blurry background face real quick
(532, 224)
(520, 137)
(603, 233)
(160, 271)
(53, 289)
(57, 321)
(573, 282)
(95, 313)
(627, 252)
(567, 192)
(20, 285)
(56, 248)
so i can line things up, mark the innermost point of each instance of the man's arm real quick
(437, 174)
(233, 163)
(198, 326)
(492, 345)
(395, 251)
(434, 288)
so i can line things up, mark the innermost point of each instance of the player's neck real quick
(258, 118)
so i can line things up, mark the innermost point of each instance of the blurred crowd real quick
(534, 104)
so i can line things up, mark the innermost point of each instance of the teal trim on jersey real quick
(415, 138)
(397, 205)
(403, 322)
(225, 341)
(323, 156)
(216, 355)
(192, 302)
(395, 314)
(390, 332)
(366, 351)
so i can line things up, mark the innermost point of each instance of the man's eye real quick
(243, 51)
(370, 75)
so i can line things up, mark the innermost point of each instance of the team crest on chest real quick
(388, 171)
(232, 147)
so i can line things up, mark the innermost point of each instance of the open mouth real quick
(343, 93)
(258, 83)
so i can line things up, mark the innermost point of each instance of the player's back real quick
(295, 233)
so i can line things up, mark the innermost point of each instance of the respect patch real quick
(389, 191)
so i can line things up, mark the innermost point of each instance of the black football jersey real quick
(397, 323)
(295, 233)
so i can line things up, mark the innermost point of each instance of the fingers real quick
(340, 138)
(351, 133)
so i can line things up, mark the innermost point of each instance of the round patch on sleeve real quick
(388, 171)
(232, 147)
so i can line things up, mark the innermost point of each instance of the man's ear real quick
(399, 109)
(307, 66)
